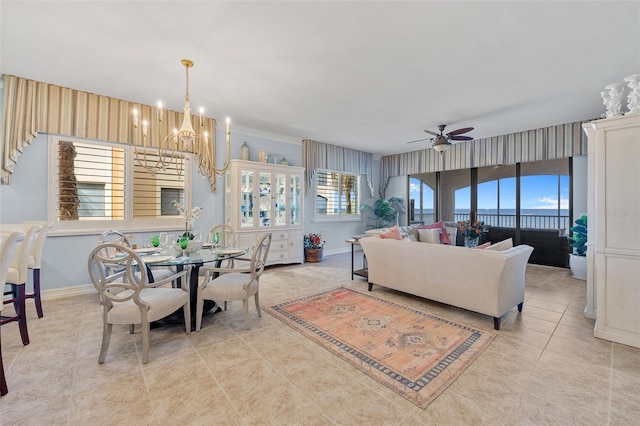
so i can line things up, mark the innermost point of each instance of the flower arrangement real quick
(189, 217)
(471, 229)
(313, 241)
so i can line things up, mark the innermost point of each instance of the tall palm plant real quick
(385, 210)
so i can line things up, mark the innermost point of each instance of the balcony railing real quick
(526, 221)
(507, 220)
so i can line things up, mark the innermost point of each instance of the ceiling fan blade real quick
(461, 138)
(420, 140)
(460, 131)
(432, 133)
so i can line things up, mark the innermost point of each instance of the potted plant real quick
(313, 244)
(578, 259)
(385, 211)
(471, 231)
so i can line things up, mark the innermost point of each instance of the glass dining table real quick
(195, 260)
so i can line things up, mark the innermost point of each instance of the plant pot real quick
(313, 255)
(578, 265)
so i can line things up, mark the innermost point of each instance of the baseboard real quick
(336, 251)
(61, 293)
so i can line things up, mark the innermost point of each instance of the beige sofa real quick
(489, 282)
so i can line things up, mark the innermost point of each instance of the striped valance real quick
(30, 107)
(318, 155)
(561, 141)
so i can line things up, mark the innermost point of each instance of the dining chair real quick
(136, 300)
(8, 243)
(17, 277)
(113, 235)
(227, 239)
(35, 262)
(237, 283)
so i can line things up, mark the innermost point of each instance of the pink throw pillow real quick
(444, 237)
(485, 245)
(393, 233)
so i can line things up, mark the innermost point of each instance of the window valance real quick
(30, 107)
(318, 155)
(561, 141)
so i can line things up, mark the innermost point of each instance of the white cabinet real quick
(261, 197)
(614, 228)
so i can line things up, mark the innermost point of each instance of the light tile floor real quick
(544, 367)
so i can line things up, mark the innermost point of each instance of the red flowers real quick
(313, 240)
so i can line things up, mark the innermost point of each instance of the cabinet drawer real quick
(278, 246)
(278, 236)
(277, 257)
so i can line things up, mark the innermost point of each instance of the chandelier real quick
(168, 150)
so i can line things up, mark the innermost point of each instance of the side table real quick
(364, 272)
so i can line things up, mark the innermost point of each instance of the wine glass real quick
(155, 240)
(184, 243)
(215, 239)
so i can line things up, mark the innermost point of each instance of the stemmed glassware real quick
(155, 241)
(214, 238)
(184, 243)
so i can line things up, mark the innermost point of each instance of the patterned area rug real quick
(416, 354)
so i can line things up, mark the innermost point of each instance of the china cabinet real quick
(261, 197)
(613, 240)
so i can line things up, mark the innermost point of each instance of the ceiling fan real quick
(442, 141)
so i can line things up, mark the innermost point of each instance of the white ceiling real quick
(365, 75)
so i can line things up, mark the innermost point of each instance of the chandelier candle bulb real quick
(145, 127)
(159, 111)
(135, 118)
(201, 116)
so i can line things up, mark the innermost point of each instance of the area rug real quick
(416, 354)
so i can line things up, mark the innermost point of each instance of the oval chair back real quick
(133, 299)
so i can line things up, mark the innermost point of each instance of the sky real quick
(537, 192)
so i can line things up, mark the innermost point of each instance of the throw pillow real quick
(485, 245)
(444, 238)
(452, 233)
(502, 245)
(393, 233)
(431, 236)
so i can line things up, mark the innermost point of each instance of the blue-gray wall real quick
(64, 259)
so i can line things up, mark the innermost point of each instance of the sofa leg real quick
(520, 306)
(370, 286)
(496, 323)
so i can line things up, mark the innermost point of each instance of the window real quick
(95, 186)
(336, 196)
(422, 198)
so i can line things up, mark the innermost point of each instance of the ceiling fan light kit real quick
(443, 141)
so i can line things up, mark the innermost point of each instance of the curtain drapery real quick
(561, 141)
(30, 107)
(318, 155)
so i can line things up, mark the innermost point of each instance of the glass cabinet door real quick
(295, 197)
(264, 200)
(246, 199)
(280, 198)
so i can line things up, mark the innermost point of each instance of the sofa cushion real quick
(393, 233)
(429, 235)
(485, 245)
(502, 245)
(444, 237)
